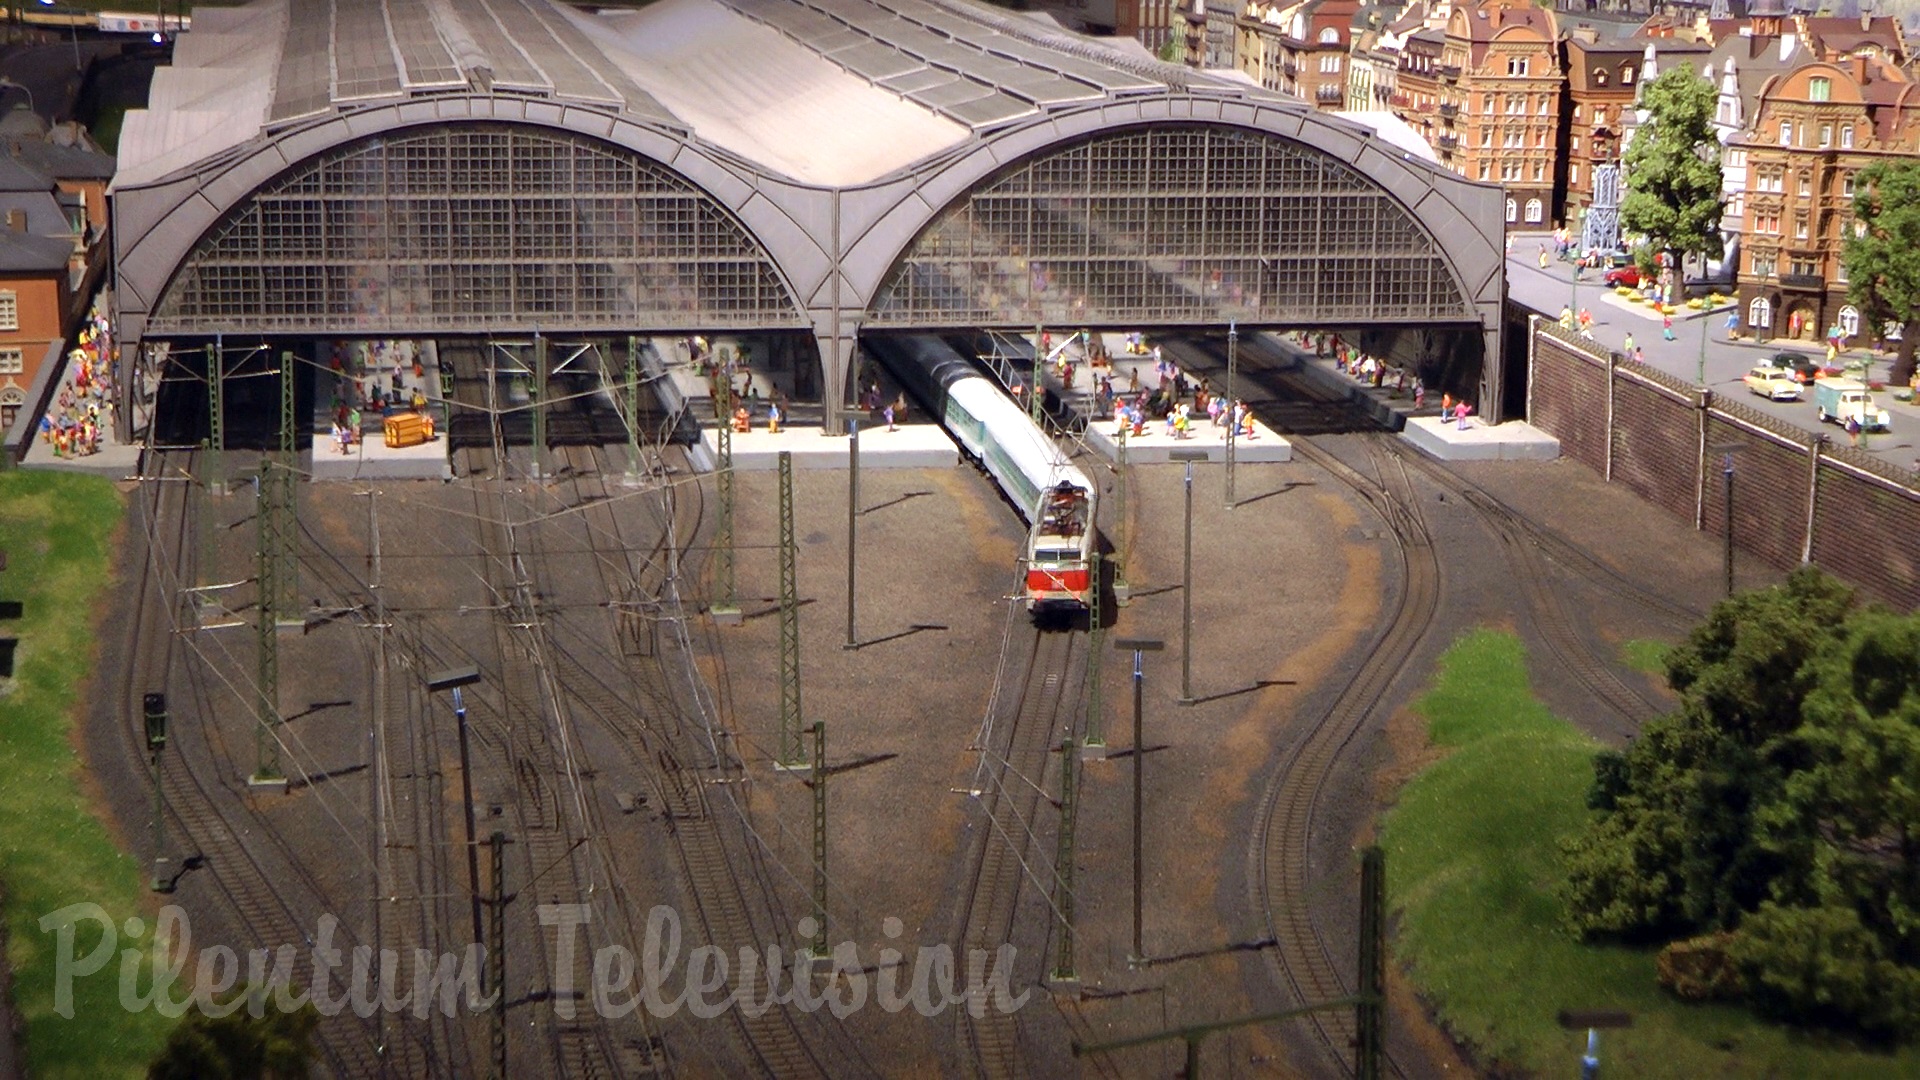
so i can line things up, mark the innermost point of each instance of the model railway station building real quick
(310, 170)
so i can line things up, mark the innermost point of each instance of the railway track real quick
(212, 826)
(1014, 752)
(675, 758)
(1283, 842)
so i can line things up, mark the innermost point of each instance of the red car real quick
(1628, 275)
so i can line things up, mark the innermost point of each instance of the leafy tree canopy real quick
(1673, 166)
(1776, 812)
(1882, 257)
(239, 1046)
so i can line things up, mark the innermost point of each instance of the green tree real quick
(1673, 167)
(239, 1046)
(1882, 255)
(1778, 807)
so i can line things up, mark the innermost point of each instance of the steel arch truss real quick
(1174, 223)
(476, 226)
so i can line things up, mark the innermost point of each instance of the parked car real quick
(1772, 383)
(1802, 367)
(1628, 275)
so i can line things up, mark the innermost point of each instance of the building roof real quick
(830, 92)
(27, 253)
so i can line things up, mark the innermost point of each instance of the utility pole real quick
(632, 398)
(1186, 579)
(725, 608)
(154, 712)
(1233, 353)
(497, 954)
(216, 412)
(853, 515)
(790, 715)
(1095, 736)
(1122, 590)
(1063, 864)
(1138, 646)
(1039, 388)
(284, 503)
(454, 679)
(1370, 1014)
(819, 946)
(266, 756)
(538, 388)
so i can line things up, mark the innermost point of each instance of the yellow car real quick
(1772, 382)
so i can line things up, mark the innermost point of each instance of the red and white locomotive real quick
(1051, 493)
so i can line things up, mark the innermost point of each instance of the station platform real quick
(360, 367)
(1153, 445)
(1515, 440)
(909, 446)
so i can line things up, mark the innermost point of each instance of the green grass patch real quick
(1473, 861)
(57, 530)
(1648, 655)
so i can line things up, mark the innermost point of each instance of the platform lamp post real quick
(1700, 366)
(1233, 354)
(453, 679)
(1186, 579)
(153, 708)
(1138, 647)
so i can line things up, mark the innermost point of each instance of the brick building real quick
(1499, 112)
(1299, 48)
(1813, 129)
(1602, 78)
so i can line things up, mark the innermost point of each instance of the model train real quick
(1051, 493)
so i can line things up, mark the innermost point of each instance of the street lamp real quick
(1137, 646)
(1726, 452)
(453, 679)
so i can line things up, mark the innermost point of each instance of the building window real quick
(1846, 185)
(1539, 174)
(1330, 64)
(1800, 227)
(1786, 133)
(1599, 76)
(1513, 212)
(1846, 137)
(1486, 137)
(1806, 185)
(12, 362)
(1533, 210)
(1576, 142)
(1763, 265)
(1329, 36)
(1486, 171)
(1760, 313)
(12, 399)
(1820, 88)
(1546, 105)
(9, 310)
(1805, 267)
(1517, 67)
(1599, 115)
(1573, 174)
(1626, 74)
(1849, 321)
(1826, 135)
(1486, 104)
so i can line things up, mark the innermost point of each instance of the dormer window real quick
(1626, 74)
(1517, 66)
(1820, 88)
(1329, 36)
(1599, 76)
(1786, 133)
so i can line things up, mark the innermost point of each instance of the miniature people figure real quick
(1666, 324)
(1460, 411)
(1419, 393)
(1566, 317)
(1733, 324)
(1119, 418)
(1246, 421)
(773, 418)
(1627, 346)
(889, 417)
(340, 436)
(741, 421)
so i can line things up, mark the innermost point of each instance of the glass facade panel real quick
(1173, 224)
(472, 227)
